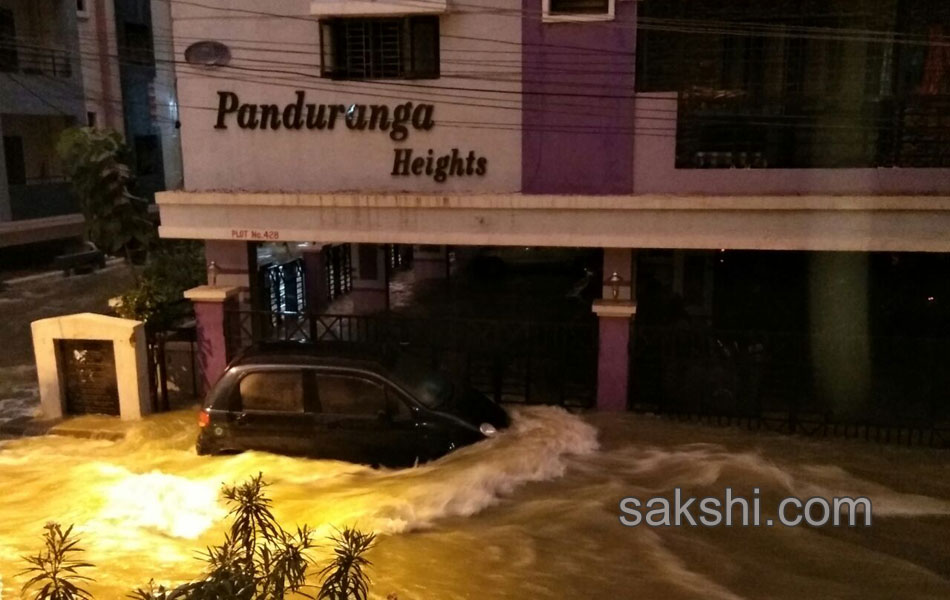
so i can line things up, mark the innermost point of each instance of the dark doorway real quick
(89, 377)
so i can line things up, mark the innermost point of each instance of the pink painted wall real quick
(654, 172)
(613, 364)
(212, 346)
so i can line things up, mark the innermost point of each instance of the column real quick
(232, 262)
(370, 293)
(615, 311)
(212, 303)
(429, 262)
(315, 274)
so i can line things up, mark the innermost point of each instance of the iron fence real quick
(889, 389)
(511, 361)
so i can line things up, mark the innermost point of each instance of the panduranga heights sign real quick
(397, 121)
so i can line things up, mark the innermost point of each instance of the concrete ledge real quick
(814, 223)
(614, 308)
(28, 231)
(211, 293)
(560, 202)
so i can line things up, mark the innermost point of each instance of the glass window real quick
(346, 395)
(279, 391)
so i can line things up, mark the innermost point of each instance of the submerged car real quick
(342, 402)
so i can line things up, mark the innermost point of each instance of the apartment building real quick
(668, 135)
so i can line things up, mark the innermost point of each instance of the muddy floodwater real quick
(530, 514)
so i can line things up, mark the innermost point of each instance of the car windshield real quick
(431, 388)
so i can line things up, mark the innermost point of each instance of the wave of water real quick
(530, 513)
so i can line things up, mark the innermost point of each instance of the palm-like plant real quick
(253, 520)
(345, 578)
(55, 574)
(258, 560)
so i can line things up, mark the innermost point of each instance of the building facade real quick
(41, 93)
(662, 133)
(104, 63)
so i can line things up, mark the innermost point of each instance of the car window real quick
(397, 407)
(347, 395)
(280, 391)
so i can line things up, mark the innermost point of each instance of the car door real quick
(271, 411)
(361, 421)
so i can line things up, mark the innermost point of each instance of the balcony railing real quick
(726, 129)
(17, 56)
(36, 199)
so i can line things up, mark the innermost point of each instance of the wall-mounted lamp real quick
(212, 273)
(615, 281)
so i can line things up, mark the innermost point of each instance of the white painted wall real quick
(131, 365)
(338, 160)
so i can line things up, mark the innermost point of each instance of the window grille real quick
(386, 48)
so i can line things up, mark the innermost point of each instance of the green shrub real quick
(96, 161)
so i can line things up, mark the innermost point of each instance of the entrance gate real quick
(508, 360)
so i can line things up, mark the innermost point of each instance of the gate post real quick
(370, 292)
(211, 303)
(615, 311)
(613, 354)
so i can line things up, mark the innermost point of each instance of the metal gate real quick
(770, 380)
(511, 361)
(89, 377)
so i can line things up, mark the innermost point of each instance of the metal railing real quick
(18, 56)
(735, 130)
(511, 361)
(38, 200)
(786, 382)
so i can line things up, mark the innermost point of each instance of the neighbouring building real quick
(41, 93)
(671, 135)
(104, 63)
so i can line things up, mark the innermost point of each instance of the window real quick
(91, 119)
(578, 10)
(274, 391)
(81, 9)
(346, 395)
(380, 48)
(16, 163)
(138, 44)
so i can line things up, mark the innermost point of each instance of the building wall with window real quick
(456, 94)
(840, 97)
(41, 93)
(609, 123)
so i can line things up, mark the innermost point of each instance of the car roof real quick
(337, 354)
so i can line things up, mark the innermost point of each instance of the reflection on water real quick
(530, 514)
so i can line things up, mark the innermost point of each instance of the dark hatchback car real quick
(342, 402)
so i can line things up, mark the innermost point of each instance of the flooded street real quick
(530, 514)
